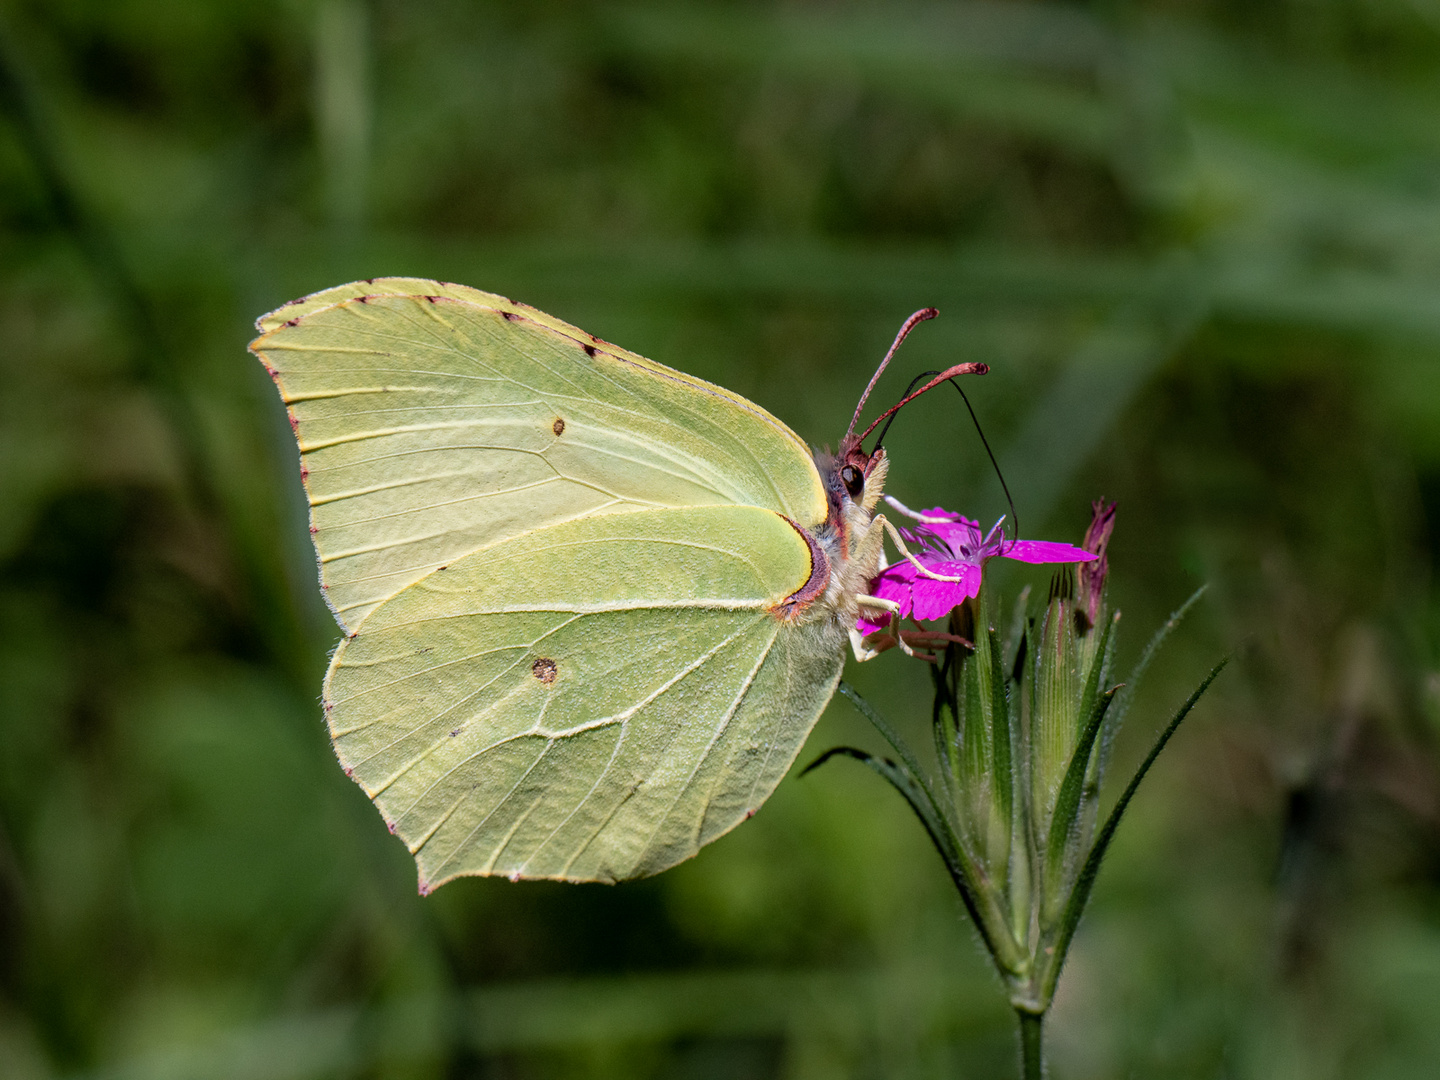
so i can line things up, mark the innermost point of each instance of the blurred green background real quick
(1198, 240)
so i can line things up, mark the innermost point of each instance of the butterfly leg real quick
(869, 646)
(862, 565)
(878, 603)
(932, 638)
(899, 542)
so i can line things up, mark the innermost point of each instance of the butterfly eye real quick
(853, 480)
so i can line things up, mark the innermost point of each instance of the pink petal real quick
(1043, 551)
(958, 535)
(901, 573)
(935, 599)
(948, 516)
(892, 584)
(865, 626)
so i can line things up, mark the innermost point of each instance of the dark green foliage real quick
(1199, 244)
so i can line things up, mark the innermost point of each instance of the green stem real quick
(1032, 1060)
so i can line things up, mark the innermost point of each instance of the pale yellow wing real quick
(435, 419)
(592, 701)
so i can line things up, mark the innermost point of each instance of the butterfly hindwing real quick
(590, 701)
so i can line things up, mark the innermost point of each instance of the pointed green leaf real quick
(890, 735)
(1080, 895)
(944, 727)
(1091, 700)
(1002, 748)
(1067, 803)
(976, 782)
(942, 821)
(995, 928)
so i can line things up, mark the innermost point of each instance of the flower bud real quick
(1092, 574)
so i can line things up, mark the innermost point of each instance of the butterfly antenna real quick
(1014, 515)
(890, 415)
(923, 315)
(971, 368)
(917, 380)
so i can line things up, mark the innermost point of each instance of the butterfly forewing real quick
(432, 424)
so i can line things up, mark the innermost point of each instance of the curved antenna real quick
(994, 464)
(971, 368)
(1014, 514)
(880, 439)
(923, 315)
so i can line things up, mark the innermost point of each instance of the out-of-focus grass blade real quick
(987, 61)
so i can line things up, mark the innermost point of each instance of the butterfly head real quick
(854, 481)
(856, 478)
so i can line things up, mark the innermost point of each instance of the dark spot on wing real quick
(510, 316)
(558, 427)
(363, 299)
(590, 350)
(293, 322)
(544, 669)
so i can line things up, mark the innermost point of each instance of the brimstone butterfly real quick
(592, 605)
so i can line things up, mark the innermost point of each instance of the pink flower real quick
(951, 546)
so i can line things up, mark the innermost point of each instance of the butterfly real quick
(592, 605)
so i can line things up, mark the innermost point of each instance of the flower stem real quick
(1032, 1060)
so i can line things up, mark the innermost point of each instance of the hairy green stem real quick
(1032, 1058)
